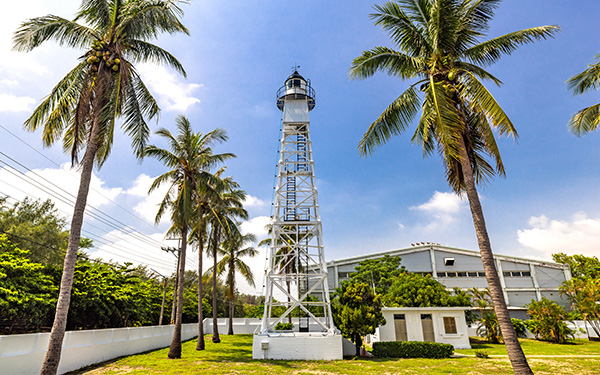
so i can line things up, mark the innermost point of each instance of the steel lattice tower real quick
(296, 266)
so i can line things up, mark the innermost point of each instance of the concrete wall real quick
(24, 354)
(414, 330)
(578, 325)
(298, 347)
(250, 325)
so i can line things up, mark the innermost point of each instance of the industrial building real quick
(522, 279)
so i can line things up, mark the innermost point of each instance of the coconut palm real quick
(104, 86)
(440, 47)
(233, 249)
(204, 195)
(224, 210)
(190, 158)
(587, 119)
(286, 263)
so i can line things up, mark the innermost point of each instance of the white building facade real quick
(434, 324)
(522, 279)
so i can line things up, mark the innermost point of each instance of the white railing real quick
(24, 354)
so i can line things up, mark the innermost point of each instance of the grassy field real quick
(234, 356)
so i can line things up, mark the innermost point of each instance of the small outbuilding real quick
(435, 324)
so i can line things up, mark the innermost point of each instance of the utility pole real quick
(162, 305)
(175, 252)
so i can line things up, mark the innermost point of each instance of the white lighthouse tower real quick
(296, 271)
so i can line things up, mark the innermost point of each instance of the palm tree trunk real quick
(513, 348)
(175, 349)
(231, 295)
(215, 337)
(52, 358)
(200, 345)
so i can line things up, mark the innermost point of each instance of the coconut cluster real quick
(100, 53)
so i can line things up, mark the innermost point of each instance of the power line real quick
(108, 244)
(93, 212)
(58, 165)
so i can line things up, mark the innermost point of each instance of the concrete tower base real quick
(297, 346)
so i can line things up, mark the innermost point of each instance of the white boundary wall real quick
(578, 325)
(24, 354)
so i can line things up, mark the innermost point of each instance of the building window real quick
(526, 274)
(450, 325)
(448, 261)
(472, 274)
(462, 274)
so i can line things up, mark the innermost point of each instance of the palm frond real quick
(36, 31)
(476, 93)
(386, 60)
(585, 120)
(95, 13)
(141, 51)
(393, 121)
(587, 80)
(148, 19)
(488, 52)
(401, 28)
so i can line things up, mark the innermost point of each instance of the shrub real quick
(412, 349)
(519, 327)
(481, 354)
(548, 321)
(284, 326)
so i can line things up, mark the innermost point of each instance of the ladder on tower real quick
(290, 197)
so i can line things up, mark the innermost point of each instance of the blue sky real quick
(238, 55)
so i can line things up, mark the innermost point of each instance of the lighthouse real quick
(296, 287)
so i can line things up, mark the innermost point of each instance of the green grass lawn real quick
(234, 356)
(536, 347)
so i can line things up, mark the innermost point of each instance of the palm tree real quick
(190, 157)
(224, 209)
(83, 107)
(204, 195)
(286, 264)
(233, 249)
(587, 119)
(439, 46)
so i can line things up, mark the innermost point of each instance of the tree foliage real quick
(414, 290)
(357, 311)
(584, 296)
(379, 272)
(35, 225)
(581, 266)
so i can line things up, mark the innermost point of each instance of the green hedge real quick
(412, 349)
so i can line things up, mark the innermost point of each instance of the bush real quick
(548, 321)
(412, 349)
(519, 327)
(284, 326)
(481, 354)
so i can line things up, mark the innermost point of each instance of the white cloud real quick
(580, 235)
(12, 103)
(148, 206)
(60, 185)
(172, 93)
(444, 207)
(400, 226)
(257, 226)
(252, 201)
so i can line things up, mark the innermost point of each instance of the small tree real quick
(357, 311)
(584, 296)
(548, 321)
